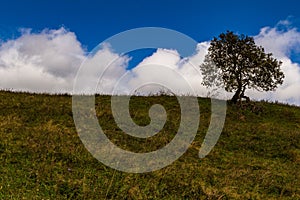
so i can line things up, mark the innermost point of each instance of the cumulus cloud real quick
(100, 72)
(280, 41)
(49, 61)
(165, 70)
(40, 62)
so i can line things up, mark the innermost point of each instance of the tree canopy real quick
(237, 63)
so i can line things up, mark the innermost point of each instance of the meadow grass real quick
(42, 157)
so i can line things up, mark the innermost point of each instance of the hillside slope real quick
(42, 157)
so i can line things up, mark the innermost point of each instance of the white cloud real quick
(101, 72)
(162, 68)
(165, 70)
(40, 62)
(281, 40)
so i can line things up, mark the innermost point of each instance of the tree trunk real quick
(236, 96)
(239, 94)
(243, 95)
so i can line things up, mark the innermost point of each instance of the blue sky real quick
(94, 21)
(47, 58)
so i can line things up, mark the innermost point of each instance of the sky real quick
(43, 43)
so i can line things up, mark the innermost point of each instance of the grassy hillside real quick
(42, 157)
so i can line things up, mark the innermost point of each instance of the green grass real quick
(42, 157)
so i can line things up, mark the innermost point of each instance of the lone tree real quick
(237, 63)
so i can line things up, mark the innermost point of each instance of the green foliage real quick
(237, 63)
(42, 157)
